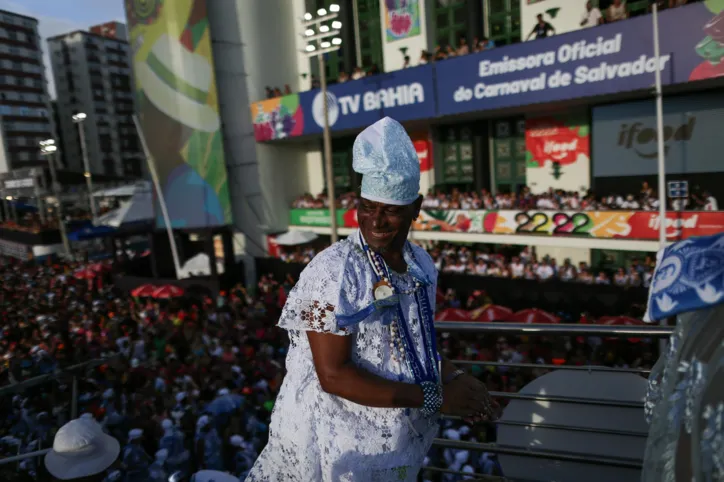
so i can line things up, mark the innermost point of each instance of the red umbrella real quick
(492, 313)
(453, 314)
(85, 273)
(98, 267)
(534, 315)
(620, 321)
(143, 291)
(168, 291)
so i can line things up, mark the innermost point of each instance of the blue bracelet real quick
(432, 398)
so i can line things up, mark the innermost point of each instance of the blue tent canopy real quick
(91, 232)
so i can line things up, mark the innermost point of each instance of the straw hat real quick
(177, 81)
(81, 449)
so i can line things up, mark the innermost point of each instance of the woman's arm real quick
(339, 376)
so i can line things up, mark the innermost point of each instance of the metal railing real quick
(550, 330)
(73, 371)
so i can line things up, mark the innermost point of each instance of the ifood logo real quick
(332, 109)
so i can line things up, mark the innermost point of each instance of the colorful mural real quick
(402, 19)
(277, 118)
(178, 109)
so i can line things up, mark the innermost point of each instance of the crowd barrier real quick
(552, 295)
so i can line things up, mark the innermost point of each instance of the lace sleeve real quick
(314, 300)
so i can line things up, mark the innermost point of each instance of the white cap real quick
(108, 393)
(236, 368)
(202, 421)
(166, 424)
(134, 434)
(81, 449)
(236, 440)
(162, 455)
(135, 363)
(180, 396)
(223, 391)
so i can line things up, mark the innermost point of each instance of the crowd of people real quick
(193, 388)
(645, 200)
(193, 380)
(482, 261)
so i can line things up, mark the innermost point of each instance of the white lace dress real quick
(317, 437)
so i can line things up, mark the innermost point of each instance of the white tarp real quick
(138, 208)
(293, 238)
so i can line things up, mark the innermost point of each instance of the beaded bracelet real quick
(432, 398)
(453, 376)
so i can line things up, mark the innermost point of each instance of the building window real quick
(450, 22)
(503, 19)
(509, 154)
(457, 155)
(370, 33)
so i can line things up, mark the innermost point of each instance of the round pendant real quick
(382, 291)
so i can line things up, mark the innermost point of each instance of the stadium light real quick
(325, 41)
(48, 148)
(79, 119)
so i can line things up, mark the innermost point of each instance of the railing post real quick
(74, 400)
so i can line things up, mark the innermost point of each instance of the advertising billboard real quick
(625, 137)
(178, 109)
(558, 154)
(403, 95)
(612, 58)
(643, 225)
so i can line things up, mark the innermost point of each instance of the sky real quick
(56, 17)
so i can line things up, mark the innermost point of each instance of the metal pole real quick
(56, 193)
(86, 167)
(328, 152)
(161, 199)
(357, 41)
(660, 143)
(39, 200)
(556, 329)
(74, 400)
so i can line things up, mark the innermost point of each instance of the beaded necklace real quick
(401, 337)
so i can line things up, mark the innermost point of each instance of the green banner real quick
(320, 217)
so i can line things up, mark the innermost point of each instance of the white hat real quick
(135, 363)
(134, 434)
(177, 82)
(162, 455)
(108, 393)
(202, 421)
(180, 396)
(236, 368)
(223, 391)
(213, 476)
(166, 424)
(236, 440)
(81, 449)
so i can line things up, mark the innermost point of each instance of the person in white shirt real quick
(517, 268)
(592, 16)
(711, 204)
(544, 271)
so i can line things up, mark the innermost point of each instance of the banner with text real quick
(558, 154)
(612, 58)
(625, 140)
(403, 95)
(346, 218)
(594, 224)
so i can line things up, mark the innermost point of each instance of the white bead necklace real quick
(396, 337)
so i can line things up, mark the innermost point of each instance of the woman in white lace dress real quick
(365, 383)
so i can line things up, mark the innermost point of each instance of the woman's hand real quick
(467, 397)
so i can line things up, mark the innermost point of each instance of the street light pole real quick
(49, 149)
(79, 119)
(318, 45)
